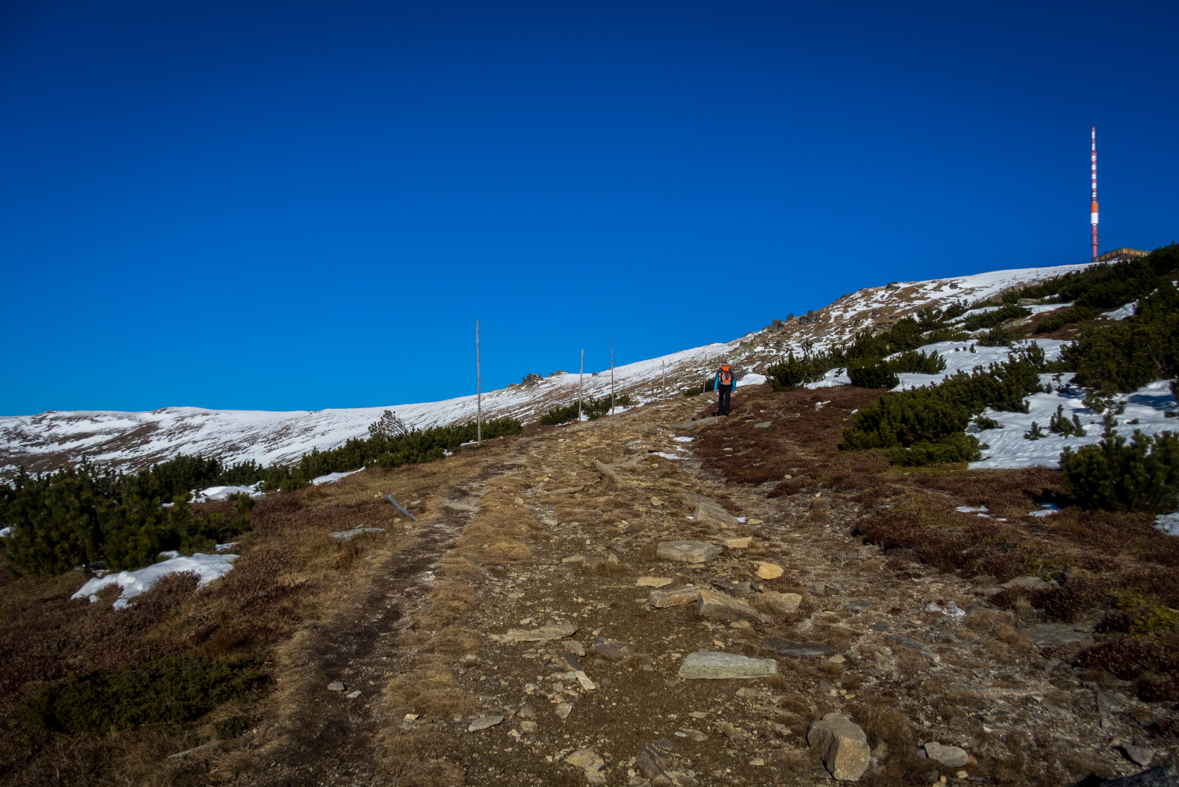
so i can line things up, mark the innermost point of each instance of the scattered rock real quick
(612, 649)
(1049, 635)
(738, 543)
(858, 606)
(573, 646)
(687, 551)
(337, 685)
(652, 762)
(800, 650)
(949, 756)
(710, 512)
(566, 661)
(483, 722)
(656, 502)
(589, 761)
(674, 597)
(702, 422)
(542, 634)
(1030, 582)
(715, 605)
(703, 665)
(348, 535)
(563, 709)
(693, 735)
(354, 694)
(528, 727)
(769, 571)
(912, 644)
(783, 602)
(654, 582)
(763, 425)
(584, 680)
(841, 745)
(1137, 754)
(573, 559)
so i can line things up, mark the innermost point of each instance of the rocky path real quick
(605, 611)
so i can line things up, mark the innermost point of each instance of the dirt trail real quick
(602, 701)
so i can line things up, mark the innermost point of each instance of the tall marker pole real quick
(611, 377)
(580, 381)
(1093, 205)
(478, 388)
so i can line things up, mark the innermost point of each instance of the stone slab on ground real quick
(710, 512)
(542, 634)
(674, 597)
(1047, 635)
(800, 650)
(702, 422)
(687, 551)
(783, 602)
(612, 479)
(715, 605)
(348, 535)
(949, 756)
(485, 722)
(842, 746)
(654, 582)
(706, 665)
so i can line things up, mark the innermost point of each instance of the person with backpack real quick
(725, 385)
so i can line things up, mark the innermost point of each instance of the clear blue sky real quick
(303, 205)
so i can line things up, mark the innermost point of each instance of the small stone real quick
(961, 774)
(1137, 754)
(652, 762)
(612, 649)
(783, 602)
(841, 745)
(769, 571)
(674, 597)
(703, 665)
(586, 759)
(567, 661)
(757, 762)
(691, 734)
(348, 535)
(859, 606)
(412, 716)
(528, 727)
(573, 646)
(715, 605)
(542, 634)
(800, 650)
(738, 543)
(949, 756)
(763, 425)
(687, 551)
(484, 722)
(584, 680)
(573, 559)
(518, 501)
(654, 582)
(337, 685)
(353, 694)
(563, 709)
(710, 512)
(656, 502)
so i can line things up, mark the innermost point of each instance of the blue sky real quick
(305, 205)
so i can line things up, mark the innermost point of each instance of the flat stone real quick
(715, 419)
(584, 680)
(738, 543)
(348, 535)
(800, 650)
(1034, 583)
(656, 502)
(573, 559)
(841, 745)
(1137, 754)
(567, 490)
(542, 634)
(337, 685)
(566, 661)
(563, 709)
(612, 649)
(483, 722)
(674, 597)
(652, 762)
(710, 512)
(1047, 635)
(573, 646)
(914, 645)
(612, 479)
(715, 605)
(859, 606)
(586, 759)
(763, 425)
(354, 694)
(528, 727)
(949, 756)
(687, 551)
(654, 582)
(703, 665)
(769, 571)
(783, 602)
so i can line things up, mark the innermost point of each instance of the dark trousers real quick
(724, 399)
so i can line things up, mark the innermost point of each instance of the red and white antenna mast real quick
(1093, 205)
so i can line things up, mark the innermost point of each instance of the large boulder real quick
(841, 745)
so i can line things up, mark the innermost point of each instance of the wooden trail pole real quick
(611, 377)
(580, 381)
(478, 389)
(663, 367)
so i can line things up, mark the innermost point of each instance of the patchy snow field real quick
(133, 583)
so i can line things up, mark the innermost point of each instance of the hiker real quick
(725, 385)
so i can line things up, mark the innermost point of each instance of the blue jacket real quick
(718, 380)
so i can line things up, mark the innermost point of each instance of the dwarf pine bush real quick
(1142, 475)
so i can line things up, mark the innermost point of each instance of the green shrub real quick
(917, 363)
(1116, 476)
(794, 371)
(955, 447)
(997, 337)
(872, 374)
(995, 317)
(591, 408)
(169, 691)
(1127, 354)
(1057, 320)
(1061, 425)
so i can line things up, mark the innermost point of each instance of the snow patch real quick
(331, 478)
(206, 567)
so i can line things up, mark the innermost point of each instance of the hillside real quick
(46, 441)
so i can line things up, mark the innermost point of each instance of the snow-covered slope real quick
(130, 440)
